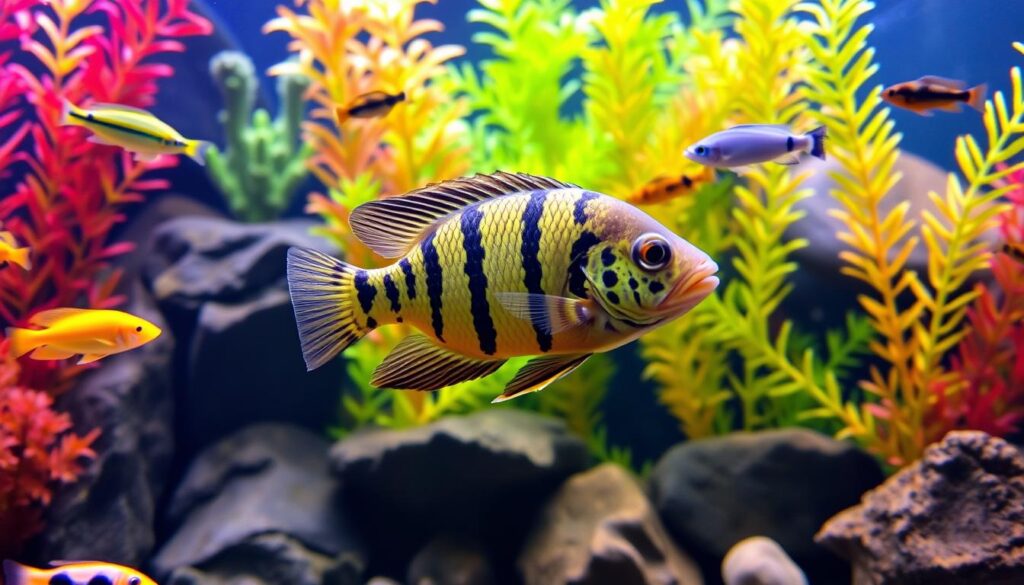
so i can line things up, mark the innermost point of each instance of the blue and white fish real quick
(751, 144)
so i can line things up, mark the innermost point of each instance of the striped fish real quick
(134, 130)
(74, 573)
(493, 267)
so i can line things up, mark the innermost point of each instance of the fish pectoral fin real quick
(790, 158)
(539, 372)
(393, 225)
(90, 358)
(941, 82)
(417, 363)
(47, 318)
(46, 352)
(104, 342)
(553, 314)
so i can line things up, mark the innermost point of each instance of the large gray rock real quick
(260, 507)
(600, 528)
(222, 286)
(760, 561)
(954, 518)
(481, 477)
(128, 397)
(782, 484)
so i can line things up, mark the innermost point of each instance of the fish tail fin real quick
(15, 573)
(66, 109)
(21, 341)
(20, 256)
(196, 150)
(323, 298)
(817, 137)
(340, 115)
(401, 96)
(976, 97)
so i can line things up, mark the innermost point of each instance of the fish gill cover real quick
(647, 85)
(67, 196)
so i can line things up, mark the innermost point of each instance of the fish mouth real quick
(693, 289)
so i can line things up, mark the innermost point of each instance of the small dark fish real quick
(375, 104)
(935, 93)
(1015, 250)
(662, 189)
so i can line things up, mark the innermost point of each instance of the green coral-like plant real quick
(264, 162)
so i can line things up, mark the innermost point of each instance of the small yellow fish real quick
(134, 130)
(493, 267)
(10, 253)
(375, 104)
(91, 333)
(661, 189)
(74, 573)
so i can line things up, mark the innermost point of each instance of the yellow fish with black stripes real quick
(493, 267)
(134, 130)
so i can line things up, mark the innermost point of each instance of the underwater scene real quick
(490, 292)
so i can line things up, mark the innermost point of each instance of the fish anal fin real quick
(787, 159)
(95, 139)
(47, 318)
(90, 358)
(552, 313)
(50, 353)
(146, 156)
(417, 363)
(539, 372)
(942, 82)
(391, 226)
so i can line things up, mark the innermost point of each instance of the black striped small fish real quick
(493, 267)
(134, 130)
(932, 92)
(369, 105)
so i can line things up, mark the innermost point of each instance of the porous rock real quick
(956, 517)
(450, 561)
(782, 484)
(222, 285)
(128, 397)
(481, 477)
(260, 507)
(760, 561)
(599, 528)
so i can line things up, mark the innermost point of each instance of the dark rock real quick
(447, 561)
(760, 561)
(781, 484)
(482, 477)
(128, 397)
(600, 528)
(222, 286)
(260, 507)
(954, 518)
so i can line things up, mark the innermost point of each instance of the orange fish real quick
(74, 573)
(10, 253)
(935, 93)
(375, 104)
(1014, 250)
(662, 189)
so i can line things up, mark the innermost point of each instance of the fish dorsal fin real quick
(119, 108)
(779, 127)
(47, 318)
(392, 226)
(418, 363)
(942, 82)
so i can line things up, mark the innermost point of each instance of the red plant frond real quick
(68, 194)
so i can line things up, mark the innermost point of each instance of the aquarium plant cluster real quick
(607, 98)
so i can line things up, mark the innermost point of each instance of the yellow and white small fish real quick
(74, 573)
(134, 130)
(494, 267)
(10, 253)
(91, 333)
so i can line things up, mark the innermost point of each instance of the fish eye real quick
(134, 580)
(138, 329)
(892, 92)
(700, 150)
(651, 252)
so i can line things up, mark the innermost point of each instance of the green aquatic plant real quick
(264, 161)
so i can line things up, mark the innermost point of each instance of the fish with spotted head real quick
(74, 573)
(493, 267)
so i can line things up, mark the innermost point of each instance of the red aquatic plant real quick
(62, 196)
(988, 389)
